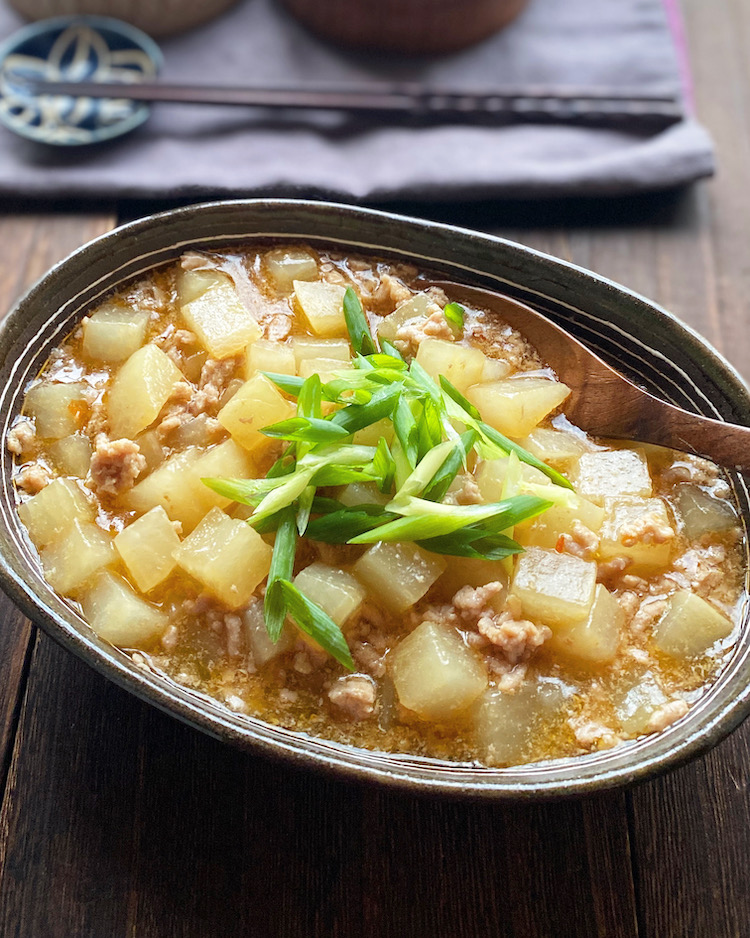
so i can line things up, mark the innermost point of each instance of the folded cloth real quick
(629, 47)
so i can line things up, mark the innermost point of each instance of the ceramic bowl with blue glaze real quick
(74, 48)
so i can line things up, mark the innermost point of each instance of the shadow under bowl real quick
(648, 344)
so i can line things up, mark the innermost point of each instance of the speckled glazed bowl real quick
(646, 342)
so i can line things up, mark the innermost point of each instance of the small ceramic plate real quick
(74, 48)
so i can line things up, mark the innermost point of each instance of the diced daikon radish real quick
(151, 449)
(227, 460)
(322, 305)
(325, 367)
(398, 574)
(555, 589)
(193, 283)
(515, 406)
(222, 322)
(262, 648)
(76, 556)
(257, 404)
(554, 446)
(363, 493)
(286, 264)
(171, 485)
(118, 615)
(146, 546)
(627, 532)
(140, 389)
(596, 638)
(494, 369)
(336, 592)
(506, 723)
(546, 529)
(58, 409)
(434, 673)
(702, 513)
(227, 556)
(461, 365)
(690, 626)
(113, 332)
(370, 436)
(306, 347)
(418, 307)
(266, 355)
(71, 455)
(611, 474)
(636, 702)
(50, 513)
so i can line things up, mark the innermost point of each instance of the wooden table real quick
(119, 821)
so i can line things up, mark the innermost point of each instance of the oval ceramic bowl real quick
(673, 361)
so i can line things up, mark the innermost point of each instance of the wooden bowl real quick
(155, 17)
(421, 26)
(647, 343)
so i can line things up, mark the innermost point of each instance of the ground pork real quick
(581, 542)
(629, 603)
(355, 695)
(413, 332)
(390, 293)
(690, 468)
(610, 571)
(369, 659)
(215, 377)
(33, 478)
(650, 611)
(21, 437)
(592, 735)
(701, 568)
(667, 714)
(467, 494)
(516, 638)
(649, 528)
(233, 628)
(115, 465)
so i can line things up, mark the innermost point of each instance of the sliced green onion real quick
(357, 325)
(316, 623)
(282, 567)
(454, 314)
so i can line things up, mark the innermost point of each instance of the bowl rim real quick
(572, 776)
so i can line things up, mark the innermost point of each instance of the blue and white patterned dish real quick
(74, 48)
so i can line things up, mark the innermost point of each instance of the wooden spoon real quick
(604, 402)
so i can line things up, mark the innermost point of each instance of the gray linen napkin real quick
(604, 46)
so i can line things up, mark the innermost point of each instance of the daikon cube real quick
(370, 436)
(336, 592)
(259, 641)
(227, 556)
(514, 406)
(434, 673)
(140, 389)
(546, 529)
(554, 446)
(266, 355)
(461, 365)
(690, 626)
(555, 589)
(257, 404)
(193, 283)
(325, 367)
(637, 528)
(398, 574)
(71, 455)
(494, 369)
(221, 320)
(76, 556)
(362, 493)
(418, 307)
(58, 409)
(506, 723)
(113, 332)
(118, 615)
(150, 445)
(611, 474)
(596, 638)
(227, 460)
(286, 264)
(636, 702)
(146, 546)
(172, 486)
(322, 305)
(702, 513)
(306, 347)
(51, 512)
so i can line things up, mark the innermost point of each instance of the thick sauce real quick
(614, 619)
